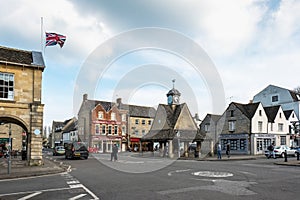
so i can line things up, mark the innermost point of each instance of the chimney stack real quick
(85, 96)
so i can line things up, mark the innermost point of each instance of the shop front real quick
(261, 142)
(104, 144)
(239, 143)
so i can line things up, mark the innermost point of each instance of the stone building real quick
(21, 100)
(174, 127)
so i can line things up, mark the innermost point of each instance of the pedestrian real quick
(219, 150)
(114, 153)
(228, 150)
(271, 151)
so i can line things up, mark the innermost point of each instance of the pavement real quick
(19, 167)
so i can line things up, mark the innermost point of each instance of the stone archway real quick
(21, 96)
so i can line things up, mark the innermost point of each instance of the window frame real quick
(8, 86)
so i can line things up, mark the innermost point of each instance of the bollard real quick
(285, 156)
(297, 155)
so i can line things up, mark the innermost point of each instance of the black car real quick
(76, 150)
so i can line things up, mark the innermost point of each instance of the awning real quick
(135, 139)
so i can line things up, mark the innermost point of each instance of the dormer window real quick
(113, 116)
(275, 98)
(100, 115)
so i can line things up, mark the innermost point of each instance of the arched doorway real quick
(14, 136)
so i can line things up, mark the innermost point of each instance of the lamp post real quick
(9, 149)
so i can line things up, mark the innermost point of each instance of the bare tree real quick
(297, 90)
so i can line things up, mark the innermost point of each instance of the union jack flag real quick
(54, 39)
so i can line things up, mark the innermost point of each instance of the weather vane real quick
(173, 82)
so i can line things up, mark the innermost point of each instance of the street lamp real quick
(9, 148)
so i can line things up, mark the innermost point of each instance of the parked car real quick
(297, 149)
(76, 150)
(58, 151)
(280, 150)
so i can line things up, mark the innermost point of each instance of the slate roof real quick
(22, 57)
(287, 113)
(247, 109)
(166, 130)
(134, 110)
(271, 112)
(71, 125)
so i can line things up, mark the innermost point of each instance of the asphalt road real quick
(148, 178)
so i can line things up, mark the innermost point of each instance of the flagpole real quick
(42, 34)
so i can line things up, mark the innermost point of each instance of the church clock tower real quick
(173, 95)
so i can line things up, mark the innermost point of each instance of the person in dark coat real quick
(228, 150)
(114, 153)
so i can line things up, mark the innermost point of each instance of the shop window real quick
(282, 140)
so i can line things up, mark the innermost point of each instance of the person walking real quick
(114, 153)
(228, 150)
(271, 151)
(219, 150)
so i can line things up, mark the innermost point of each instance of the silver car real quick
(280, 150)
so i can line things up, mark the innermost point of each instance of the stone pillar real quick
(36, 151)
(171, 153)
(212, 148)
(162, 148)
(186, 152)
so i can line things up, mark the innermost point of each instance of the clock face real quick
(176, 99)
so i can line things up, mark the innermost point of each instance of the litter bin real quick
(24, 155)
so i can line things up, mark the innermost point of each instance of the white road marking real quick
(29, 196)
(72, 182)
(77, 197)
(235, 188)
(178, 171)
(213, 174)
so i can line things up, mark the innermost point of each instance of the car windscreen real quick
(79, 146)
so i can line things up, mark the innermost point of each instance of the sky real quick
(216, 51)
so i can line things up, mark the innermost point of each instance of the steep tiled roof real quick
(247, 109)
(166, 131)
(271, 112)
(134, 110)
(141, 111)
(287, 113)
(71, 125)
